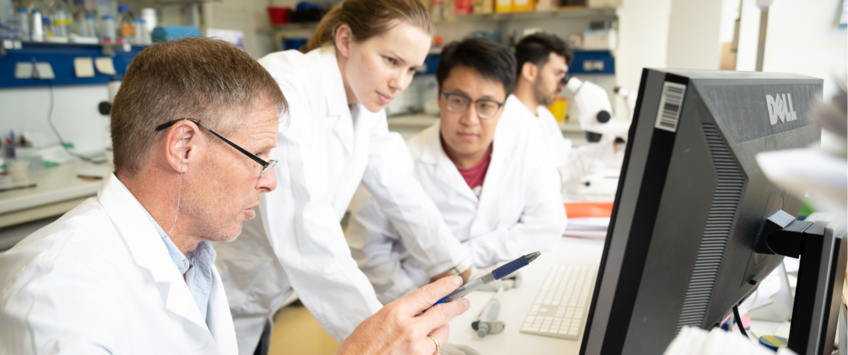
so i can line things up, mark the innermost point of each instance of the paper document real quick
(588, 227)
(84, 67)
(588, 224)
(105, 65)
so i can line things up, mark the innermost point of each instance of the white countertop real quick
(54, 184)
(516, 303)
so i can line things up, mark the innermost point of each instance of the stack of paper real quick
(588, 227)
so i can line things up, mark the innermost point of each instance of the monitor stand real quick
(821, 247)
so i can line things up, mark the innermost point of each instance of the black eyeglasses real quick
(264, 164)
(459, 103)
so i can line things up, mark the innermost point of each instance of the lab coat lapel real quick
(502, 149)
(336, 97)
(443, 169)
(220, 319)
(146, 247)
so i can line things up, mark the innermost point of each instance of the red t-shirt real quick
(475, 175)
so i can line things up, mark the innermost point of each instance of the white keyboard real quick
(560, 307)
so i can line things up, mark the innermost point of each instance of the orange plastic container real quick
(588, 209)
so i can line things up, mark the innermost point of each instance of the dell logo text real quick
(780, 107)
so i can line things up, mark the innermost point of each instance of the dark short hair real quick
(537, 48)
(193, 77)
(494, 61)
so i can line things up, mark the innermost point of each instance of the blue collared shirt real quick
(196, 266)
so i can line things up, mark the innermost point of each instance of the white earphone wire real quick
(180, 191)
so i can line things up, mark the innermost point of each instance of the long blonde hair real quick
(368, 18)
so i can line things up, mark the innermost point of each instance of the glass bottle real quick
(23, 23)
(107, 29)
(36, 10)
(61, 19)
(126, 27)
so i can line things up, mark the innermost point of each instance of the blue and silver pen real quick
(496, 274)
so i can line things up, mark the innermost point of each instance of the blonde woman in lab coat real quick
(363, 55)
(489, 177)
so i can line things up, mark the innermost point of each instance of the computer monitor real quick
(692, 202)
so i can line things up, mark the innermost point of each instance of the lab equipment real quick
(496, 274)
(60, 16)
(167, 33)
(138, 31)
(488, 322)
(37, 34)
(629, 97)
(89, 26)
(23, 23)
(150, 20)
(107, 31)
(561, 304)
(686, 241)
(595, 110)
(126, 27)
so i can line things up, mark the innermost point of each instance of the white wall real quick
(642, 43)
(749, 31)
(693, 34)
(74, 114)
(803, 38)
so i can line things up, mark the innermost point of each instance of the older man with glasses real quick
(489, 178)
(132, 270)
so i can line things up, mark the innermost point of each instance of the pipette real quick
(488, 322)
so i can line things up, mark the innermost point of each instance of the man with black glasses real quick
(132, 270)
(489, 178)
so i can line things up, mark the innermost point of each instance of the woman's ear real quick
(182, 145)
(343, 39)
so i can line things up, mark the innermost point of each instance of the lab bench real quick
(58, 190)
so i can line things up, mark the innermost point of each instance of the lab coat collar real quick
(445, 170)
(336, 97)
(517, 107)
(442, 166)
(146, 247)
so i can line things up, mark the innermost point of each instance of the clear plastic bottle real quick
(23, 23)
(107, 30)
(78, 14)
(126, 27)
(37, 34)
(60, 15)
(36, 10)
(89, 26)
(139, 31)
(47, 28)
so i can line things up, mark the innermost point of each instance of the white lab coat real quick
(100, 281)
(571, 162)
(519, 210)
(329, 149)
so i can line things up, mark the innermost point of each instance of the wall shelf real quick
(560, 13)
(61, 58)
(563, 12)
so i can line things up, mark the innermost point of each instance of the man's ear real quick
(182, 145)
(529, 71)
(343, 39)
